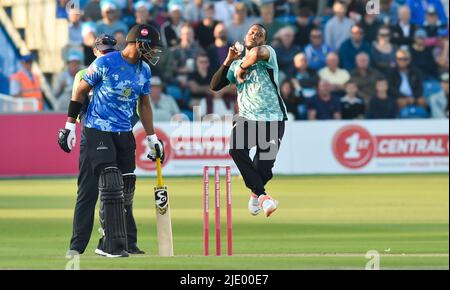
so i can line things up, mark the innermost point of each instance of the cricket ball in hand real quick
(239, 47)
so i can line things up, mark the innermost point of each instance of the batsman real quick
(262, 114)
(120, 81)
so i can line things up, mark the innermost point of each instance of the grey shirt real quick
(164, 109)
(336, 32)
(63, 90)
(193, 13)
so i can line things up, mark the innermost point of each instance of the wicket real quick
(217, 208)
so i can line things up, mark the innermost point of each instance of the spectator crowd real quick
(337, 59)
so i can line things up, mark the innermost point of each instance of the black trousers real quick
(266, 136)
(120, 153)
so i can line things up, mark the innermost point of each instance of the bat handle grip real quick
(158, 151)
(158, 165)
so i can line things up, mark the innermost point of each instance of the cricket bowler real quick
(262, 114)
(120, 81)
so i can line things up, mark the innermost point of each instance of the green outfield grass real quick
(325, 222)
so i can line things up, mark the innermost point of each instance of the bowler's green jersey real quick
(259, 97)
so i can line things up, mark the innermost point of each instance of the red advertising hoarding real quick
(29, 146)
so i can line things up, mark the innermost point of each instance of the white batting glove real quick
(67, 137)
(153, 142)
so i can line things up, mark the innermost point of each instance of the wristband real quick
(74, 109)
(71, 126)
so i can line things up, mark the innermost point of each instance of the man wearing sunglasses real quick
(120, 81)
(406, 82)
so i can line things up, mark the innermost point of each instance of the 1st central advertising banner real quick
(29, 147)
(326, 147)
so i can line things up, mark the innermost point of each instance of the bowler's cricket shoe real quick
(268, 204)
(253, 205)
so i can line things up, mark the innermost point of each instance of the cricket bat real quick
(163, 221)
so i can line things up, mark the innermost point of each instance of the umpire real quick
(120, 81)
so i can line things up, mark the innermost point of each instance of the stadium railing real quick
(9, 104)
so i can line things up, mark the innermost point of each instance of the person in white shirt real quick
(334, 75)
(164, 106)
